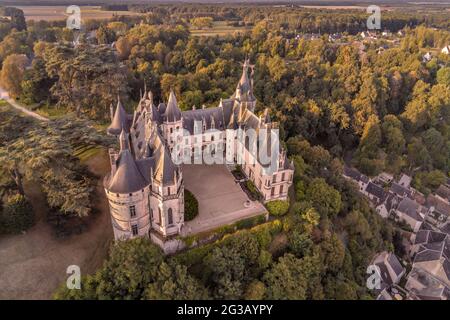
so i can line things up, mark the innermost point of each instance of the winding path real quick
(5, 96)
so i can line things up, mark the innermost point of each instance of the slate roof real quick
(395, 264)
(400, 190)
(376, 191)
(120, 121)
(439, 205)
(127, 177)
(434, 246)
(386, 261)
(410, 208)
(390, 202)
(431, 288)
(352, 173)
(172, 113)
(443, 192)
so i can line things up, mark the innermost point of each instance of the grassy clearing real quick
(84, 153)
(51, 112)
(54, 13)
(220, 28)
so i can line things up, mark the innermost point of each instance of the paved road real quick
(5, 96)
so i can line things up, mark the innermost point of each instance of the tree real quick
(15, 43)
(17, 17)
(127, 273)
(88, 78)
(443, 76)
(231, 266)
(324, 197)
(202, 22)
(104, 35)
(17, 214)
(36, 83)
(333, 253)
(172, 282)
(12, 73)
(255, 291)
(277, 207)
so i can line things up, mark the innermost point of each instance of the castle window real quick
(170, 216)
(151, 213)
(133, 211)
(272, 192)
(134, 229)
(282, 177)
(281, 189)
(274, 179)
(159, 216)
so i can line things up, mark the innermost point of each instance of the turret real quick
(119, 121)
(126, 188)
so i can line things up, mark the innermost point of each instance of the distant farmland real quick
(53, 13)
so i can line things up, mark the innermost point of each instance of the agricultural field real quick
(53, 13)
(220, 28)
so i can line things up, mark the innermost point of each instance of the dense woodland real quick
(348, 101)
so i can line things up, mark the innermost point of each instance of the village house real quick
(446, 50)
(439, 211)
(391, 271)
(411, 213)
(429, 278)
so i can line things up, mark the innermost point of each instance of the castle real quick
(145, 187)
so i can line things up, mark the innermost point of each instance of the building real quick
(385, 208)
(353, 174)
(446, 50)
(429, 278)
(427, 57)
(411, 213)
(439, 211)
(375, 193)
(145, 187)
(390, 270)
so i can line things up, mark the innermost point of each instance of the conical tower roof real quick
(120, 120)
(127, 178)
(172, 112)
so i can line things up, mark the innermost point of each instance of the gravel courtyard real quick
(221, 199)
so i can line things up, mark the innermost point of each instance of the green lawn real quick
(220, 28)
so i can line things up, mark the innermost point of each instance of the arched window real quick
(170, 216)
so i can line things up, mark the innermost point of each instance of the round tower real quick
(127, 191)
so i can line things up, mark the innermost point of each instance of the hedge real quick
(190, 206)
(277, 207)
(17, 215)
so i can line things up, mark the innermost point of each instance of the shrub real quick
(190, 206)
(277, 207)
(17, 215)
(254, 193)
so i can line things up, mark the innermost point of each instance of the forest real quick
(339, 102)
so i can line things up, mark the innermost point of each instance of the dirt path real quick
(5, 96)
(33, 265)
